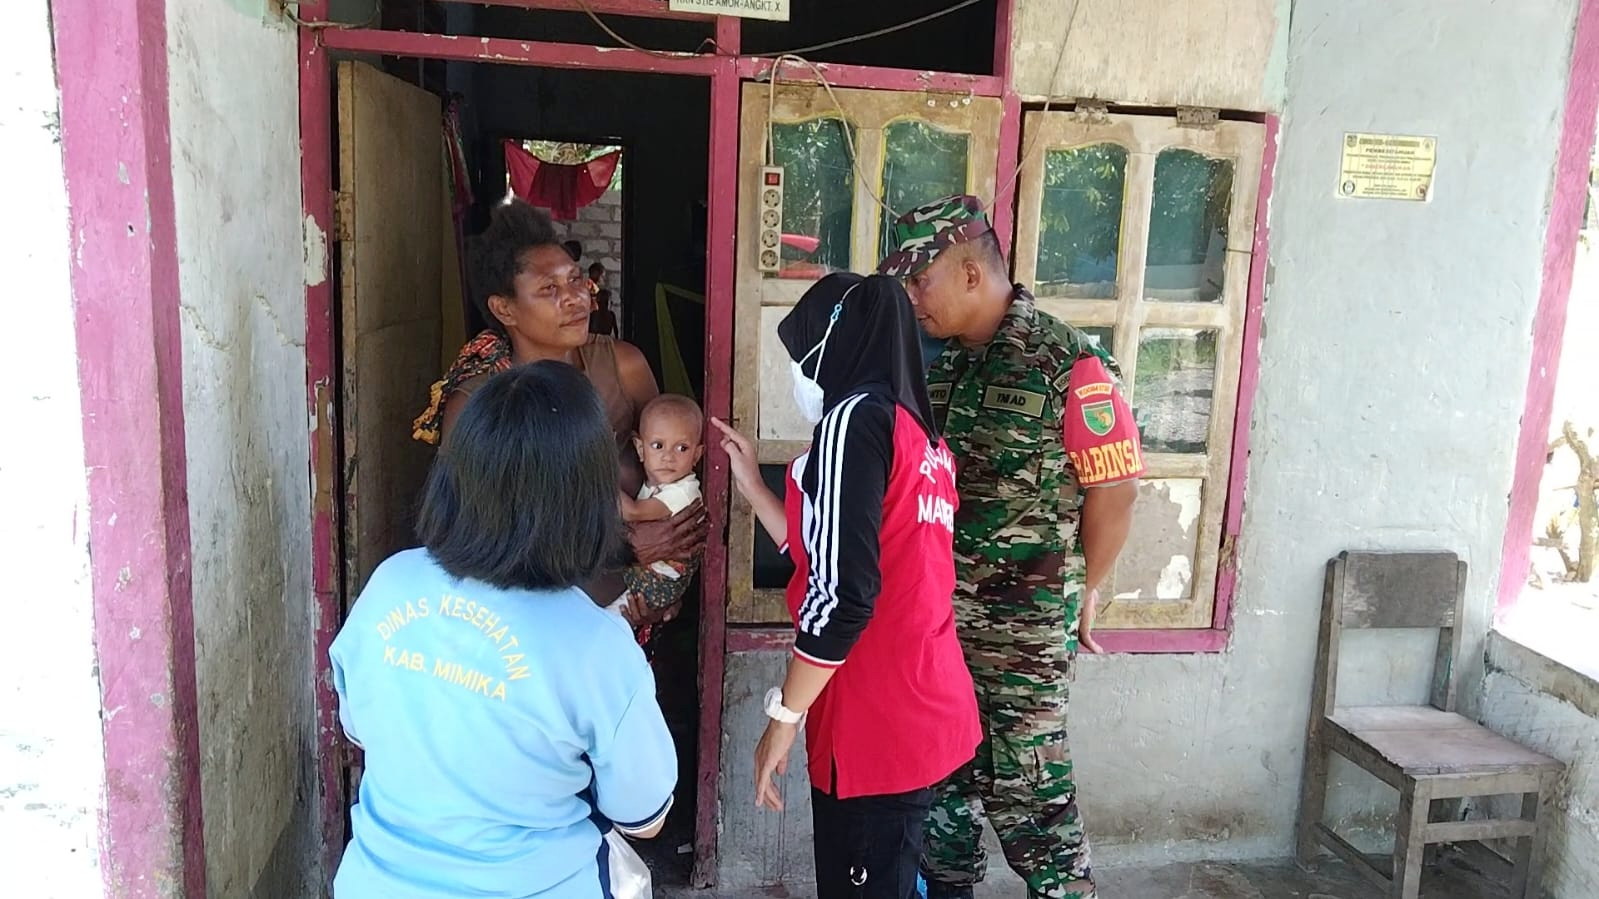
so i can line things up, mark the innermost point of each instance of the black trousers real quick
(868, 847)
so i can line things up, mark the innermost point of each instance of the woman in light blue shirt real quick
(508, 721)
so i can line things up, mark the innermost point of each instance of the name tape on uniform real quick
(1011, 399)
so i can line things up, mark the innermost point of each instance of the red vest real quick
(901, 713)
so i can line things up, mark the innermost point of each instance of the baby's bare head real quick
(669, 440)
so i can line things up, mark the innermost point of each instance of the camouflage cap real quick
(920, 235)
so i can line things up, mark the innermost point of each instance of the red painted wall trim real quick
(721, 244)
(577, 56)
(1248, 385)
(875, 77)
(1570, 196)
(1002, 211)
(116, 145)
(649, 9)
(514, 52)
(321, 357)
(1166, 640)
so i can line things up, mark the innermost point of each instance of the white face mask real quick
(808, 395)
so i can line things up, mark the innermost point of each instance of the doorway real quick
(677, 119)
(616, 186)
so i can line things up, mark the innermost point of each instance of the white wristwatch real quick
(778, 712)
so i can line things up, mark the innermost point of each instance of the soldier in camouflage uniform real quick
(1034, 415)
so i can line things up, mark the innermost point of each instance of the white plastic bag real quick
(630, 877)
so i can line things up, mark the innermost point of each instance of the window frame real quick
(1188, 626)
(762, 403)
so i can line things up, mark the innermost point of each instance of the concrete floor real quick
(1204, 880)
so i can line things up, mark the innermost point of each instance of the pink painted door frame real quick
(111, 61)
(726, 70)
(1554, 295)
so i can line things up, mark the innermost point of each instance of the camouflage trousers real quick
(1018, 624)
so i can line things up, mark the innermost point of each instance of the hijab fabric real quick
(875, 347)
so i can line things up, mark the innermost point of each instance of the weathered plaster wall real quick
(51, 763)
(1552, 708)
(1220, 53)
(1396, 341)
(235, 139)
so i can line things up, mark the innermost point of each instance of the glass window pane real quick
(1188, 227)
(1102, 335)
(1157, 564)
(1080, 222)
(818, 196)
(920, 164)
(772, 568)
(1173, 387)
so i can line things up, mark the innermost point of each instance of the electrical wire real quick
(1035, 143)
(855, 38)
(797, 51)
(849, 140)
(661, 54)
(291, 11)
(795, 56)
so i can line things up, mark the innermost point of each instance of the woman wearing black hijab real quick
(877, 674)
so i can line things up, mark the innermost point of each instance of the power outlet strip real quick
(769, 235)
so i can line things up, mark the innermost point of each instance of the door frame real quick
(726, 72)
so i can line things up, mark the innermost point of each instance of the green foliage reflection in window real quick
(1188, 227)
(1079, 241)
(920, 164)
(818, 190)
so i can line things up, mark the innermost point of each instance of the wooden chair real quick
(1428, 753)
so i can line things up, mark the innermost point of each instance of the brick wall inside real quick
(599, 229)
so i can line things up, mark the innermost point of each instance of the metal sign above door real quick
(774, 10)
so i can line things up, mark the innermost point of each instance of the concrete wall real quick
(1230, 54)
(1395, 351)
(1552, 708)
(51, 764)
(235, 136)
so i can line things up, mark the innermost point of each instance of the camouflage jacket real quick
(1000, 409)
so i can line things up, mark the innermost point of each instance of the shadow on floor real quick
(1202, 880)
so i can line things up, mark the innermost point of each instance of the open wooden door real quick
(913, 148)
(391, 241)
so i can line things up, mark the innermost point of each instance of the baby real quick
(668, 443)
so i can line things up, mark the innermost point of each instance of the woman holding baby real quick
(536, 302)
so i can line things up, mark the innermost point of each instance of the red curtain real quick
(562, 189)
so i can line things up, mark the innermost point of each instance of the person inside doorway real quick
(508, 723)
(877, 674)
(533, 295)
(602, 319)
(1049, 460)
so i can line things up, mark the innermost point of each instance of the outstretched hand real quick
(741, 457)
